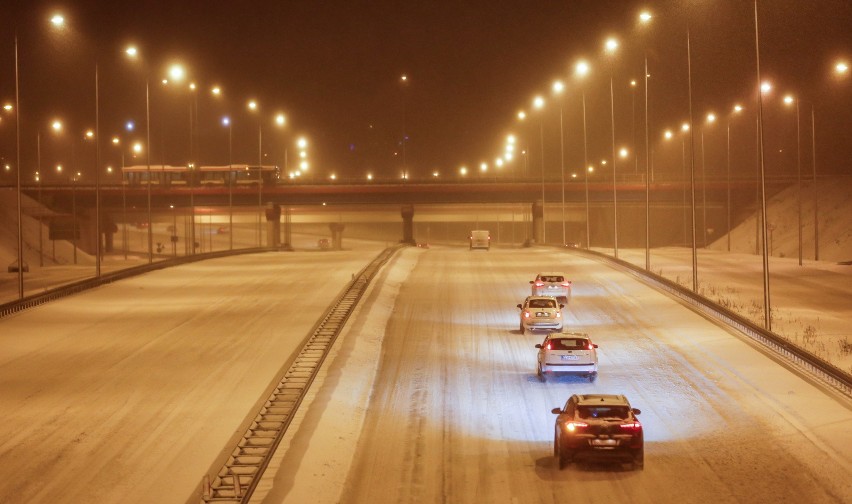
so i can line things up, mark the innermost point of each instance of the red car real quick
(598, 427)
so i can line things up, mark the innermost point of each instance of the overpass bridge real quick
(73, 207)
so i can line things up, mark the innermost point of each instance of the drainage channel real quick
(237, 479)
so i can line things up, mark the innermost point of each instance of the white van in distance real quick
(480, 238)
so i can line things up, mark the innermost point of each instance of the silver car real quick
(568, 352)
(551, 284)
(540, 312)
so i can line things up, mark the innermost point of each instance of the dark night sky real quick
(334, 68)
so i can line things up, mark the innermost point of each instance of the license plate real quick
(604, 442)
(542, 314)
(570, 357)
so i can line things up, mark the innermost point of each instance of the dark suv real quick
(598, 427)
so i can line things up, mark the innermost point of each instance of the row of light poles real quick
(176, 73)
(611, 46)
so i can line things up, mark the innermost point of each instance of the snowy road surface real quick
(457, 414)
(128, 393)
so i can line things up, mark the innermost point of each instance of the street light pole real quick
(558, 88)
(767, 306)
(259, 181)
(611, 46)
(728, 182)
(799, 177)
(38, 179)
(691, 163)
(98, 252)
(123, 208)
(230, 183)
(703, 194)
(586, 169)
(816, 202)
(647, 178)
(581, 69)
(543, 213)
(148, 161)
(18, 179)
(538, 103)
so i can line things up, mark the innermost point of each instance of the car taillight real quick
(489, 237)
(566, 284)
(591, 346)
(549, 347)
(539, 284)
(631, 426)
(572, 426)
(558, 314)
(526, 314)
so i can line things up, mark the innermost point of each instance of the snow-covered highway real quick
(129, 393)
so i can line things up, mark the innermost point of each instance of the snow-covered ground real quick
(130, 392)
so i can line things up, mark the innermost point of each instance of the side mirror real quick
(520, 307)
(637, 411)
(561, 305)
(556, 411)
(532, 282)
(538, 345)
(595, 345)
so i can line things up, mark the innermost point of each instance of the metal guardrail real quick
(47, 296)
(803, 359)
(238, 478)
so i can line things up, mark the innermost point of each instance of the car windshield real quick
(552, 278)
(542, 303)
(587, 412)
(569, 344)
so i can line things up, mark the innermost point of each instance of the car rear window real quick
(569, 344)
(603, 412)
(552, 278)
(542, 303)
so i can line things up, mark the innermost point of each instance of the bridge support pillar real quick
(273, 225)
(407, 213)
(336, 235)
(286, 240)
(109, 228)
(538, 222)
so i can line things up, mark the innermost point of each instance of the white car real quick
(568, 352)
(551, 284)
(540, 312)
(480, 238)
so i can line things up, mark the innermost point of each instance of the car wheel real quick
(593, 377)
(639, 460)
(540, 373)
(521, 328)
